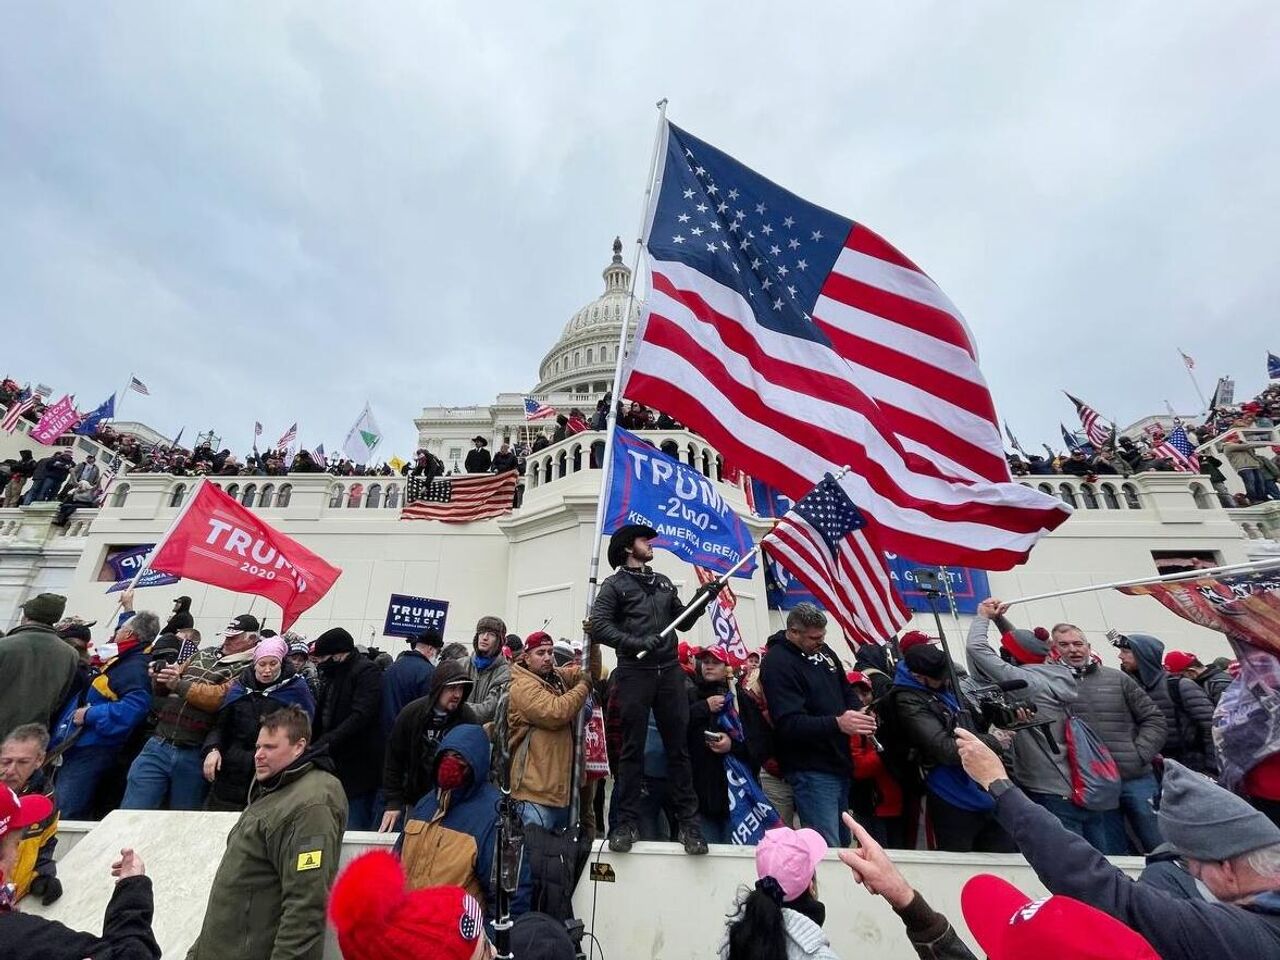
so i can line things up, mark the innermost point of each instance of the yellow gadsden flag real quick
(396, 464)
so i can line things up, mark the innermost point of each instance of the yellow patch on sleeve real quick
(309, 860)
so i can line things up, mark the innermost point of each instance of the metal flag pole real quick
(1194, 382)
(1251, 566)
(606, 467)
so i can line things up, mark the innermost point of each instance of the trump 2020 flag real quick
(217, 541)
(57, 420)
(693, 521)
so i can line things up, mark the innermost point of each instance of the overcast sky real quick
(274, 211)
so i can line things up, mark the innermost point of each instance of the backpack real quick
(1095, 778)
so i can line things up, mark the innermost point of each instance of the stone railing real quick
(1259, 522)
(309, 492)
(34, 524)
(584, 451)
(1128, 493)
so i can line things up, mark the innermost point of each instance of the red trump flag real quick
(217, 541)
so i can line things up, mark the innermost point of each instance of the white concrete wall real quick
(661, 903)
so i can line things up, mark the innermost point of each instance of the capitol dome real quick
(583, 359)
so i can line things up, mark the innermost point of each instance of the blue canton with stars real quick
(828, 509)
(746, 232)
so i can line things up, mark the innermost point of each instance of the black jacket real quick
(633, 604)
(348, 716)
(502, 462)
(181, 619)
(709, 780)
(805, 694)
(126, 930)
(1178, 929)
(1187, 709)
(1214, 682)
(407, 773)
(478, 461)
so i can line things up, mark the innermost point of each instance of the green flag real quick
(363, 438)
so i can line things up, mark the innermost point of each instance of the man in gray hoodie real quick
(1040, 765)
(1187, 709)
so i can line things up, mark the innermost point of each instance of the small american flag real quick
(24, 402)
(822, 542)
(137, 386)
(537, 410)
(1191, 364)
(319, 453)
(257, 429)
(290, 435)
(1177, 447)
(460, 499)
(1095, 427)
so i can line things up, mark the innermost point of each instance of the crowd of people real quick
(1029, 744)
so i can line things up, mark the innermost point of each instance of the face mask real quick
(452, 772)
(329, 667)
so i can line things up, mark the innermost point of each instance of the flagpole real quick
(703, 598)
(181, 515)
(1250, 566)
(128, 383)
(1194, 382)
(606, 466)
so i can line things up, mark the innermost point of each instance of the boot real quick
(690, 836)
(624, 837)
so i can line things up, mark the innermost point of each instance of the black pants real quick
(967, 831)
(661, 690)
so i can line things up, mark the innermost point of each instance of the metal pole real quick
(606, 467)
(1167, 578)
(1194, 382)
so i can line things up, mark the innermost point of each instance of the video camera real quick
(998, 709)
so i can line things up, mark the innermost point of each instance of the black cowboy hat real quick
(623, 538)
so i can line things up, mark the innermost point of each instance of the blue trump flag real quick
(1273, 367)
(125, 563)
(105, 411)
(693, 521)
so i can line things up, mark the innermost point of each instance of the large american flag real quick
(1094, 426)
(460, 499)
(537, 410)
(822, 541)
(798, 342)
(1177, 448)
(20, 405)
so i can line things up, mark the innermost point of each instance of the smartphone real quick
(711, 736)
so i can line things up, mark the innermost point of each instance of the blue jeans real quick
(1254, 487)
(164, 771)
(1090, 824)
(549, 818)
(1137, 807)
(715, 830)
(820, 797)
(77, 779)
(360, 811)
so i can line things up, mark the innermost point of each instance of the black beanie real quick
(927, 660)
(333, 640)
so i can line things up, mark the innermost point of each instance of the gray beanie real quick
(1205, 822)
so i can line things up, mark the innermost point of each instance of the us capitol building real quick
(576, 372)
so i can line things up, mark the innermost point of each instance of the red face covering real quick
(452, 772)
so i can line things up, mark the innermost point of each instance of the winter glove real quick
(48, 889)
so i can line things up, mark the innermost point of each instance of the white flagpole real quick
(1194, 382)
(606, 467)
(1249, 567)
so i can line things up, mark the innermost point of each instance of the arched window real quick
(691, 456)
(562, 464)
(546, 470)
(590, 356)
(556, 366)
(264, 499)
(286, 491)
(577, 457)
(1090, 496)
(577, 359)
(233, 490)
(393, 496)
(1109, 497)
(175, 498)
(706, 463)
(1202, 498)
(1068, 495)
(335, 498)
(120, 495)
(373, 499)
(250, 491)
(1131, 496)
(355, 495)
(1046, 488)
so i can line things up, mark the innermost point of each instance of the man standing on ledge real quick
(631, 610)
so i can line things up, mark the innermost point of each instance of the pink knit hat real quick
(270, 647)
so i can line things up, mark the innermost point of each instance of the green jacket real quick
(37, 668)
(268, 897)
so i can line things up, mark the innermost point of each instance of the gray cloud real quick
(273, 212)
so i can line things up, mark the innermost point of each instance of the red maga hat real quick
(1009, 925)
(913, 638)
(539, 638)
(1175, 661)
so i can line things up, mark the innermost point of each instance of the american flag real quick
(1191, 364)
(461, 498)
(1094, 426)
(537, 410)
(821, 540)
(1177, 447)
(257, 429)
(137, 386)
(797, 342)
(20, 405)
(290, 435)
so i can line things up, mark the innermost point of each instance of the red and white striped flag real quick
(24, 402)
(1177, 448)
(1191, 364)
(137, 386)
(290, 435)
(1094, 426)
(798, 342)
(461, 498)
(822, 541)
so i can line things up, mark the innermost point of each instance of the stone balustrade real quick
(574, 454)
(34, 524)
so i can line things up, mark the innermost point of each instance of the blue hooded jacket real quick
(433, 844)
